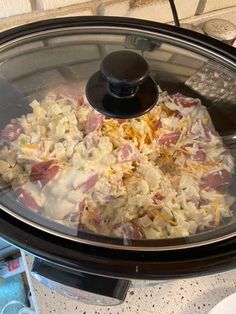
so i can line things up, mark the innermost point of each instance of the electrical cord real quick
(174, 13)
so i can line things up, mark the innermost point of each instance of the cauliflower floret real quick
(151, 174)
(4, 166)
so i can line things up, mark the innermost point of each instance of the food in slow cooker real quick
(162, 175)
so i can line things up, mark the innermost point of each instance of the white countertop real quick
(188, 296)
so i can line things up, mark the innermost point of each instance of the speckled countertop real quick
(188, 296)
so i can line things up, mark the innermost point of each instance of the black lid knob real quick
(124, 71)
(122, 88)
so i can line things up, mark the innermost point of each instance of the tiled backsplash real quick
(15, 12)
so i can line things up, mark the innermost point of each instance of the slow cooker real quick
(121, 70)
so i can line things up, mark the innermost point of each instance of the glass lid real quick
(118, 133)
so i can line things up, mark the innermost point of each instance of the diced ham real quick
(200, 155)
(156, 124)
(80, 206)
(217, 179)
(28, 200)
(158, 197)
(69, 92)
(200, 131)
(169, 138)
(94, 123)
(88, 184)
(178, 115)
(11, 132)
(185, 147)
(75, 215)
(90, 141)
(43, 172)
(186, 102)
(132, 231)
(121, 120)
(207, 131)
(127, 153)
(80, 100)
(129, 230)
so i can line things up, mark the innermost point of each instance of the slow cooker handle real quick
(122, 88)
(87, 288)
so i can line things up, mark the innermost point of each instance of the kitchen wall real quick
(16, 12)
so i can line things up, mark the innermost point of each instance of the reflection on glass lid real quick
(162, 175)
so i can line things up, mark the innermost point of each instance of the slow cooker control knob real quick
(122, 88)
